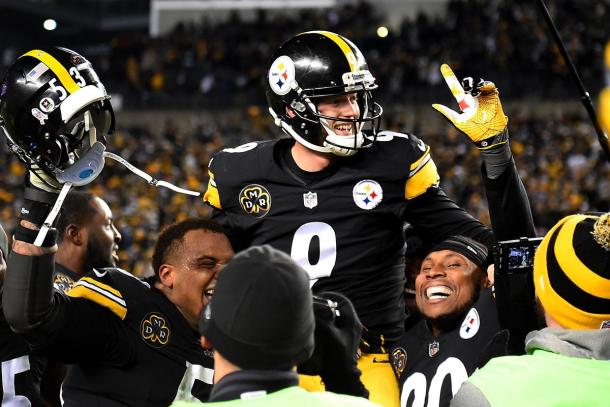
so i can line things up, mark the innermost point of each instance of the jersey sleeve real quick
(423, 173)
(80, 331)
(211, 195)
(101, 293)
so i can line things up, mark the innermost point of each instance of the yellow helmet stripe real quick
(345, 47)
(55, 66)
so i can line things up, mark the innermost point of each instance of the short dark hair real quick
(76, 210)
(172, 236)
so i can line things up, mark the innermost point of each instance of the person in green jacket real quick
(567, 363)
(260, 323)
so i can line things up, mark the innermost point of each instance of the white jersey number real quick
(416, 383)
(328, 249)
(10, 369)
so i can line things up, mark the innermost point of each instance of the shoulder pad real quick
(107, 287)
(408, 148)
(228, 165)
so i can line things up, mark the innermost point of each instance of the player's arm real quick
(429, 210)
(483, 120)
(68, 329)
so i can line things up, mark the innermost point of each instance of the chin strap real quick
(152, 181)
(48, 222)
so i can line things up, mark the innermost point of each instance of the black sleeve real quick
(81, 331)
(71, 329)
(509, 207)
(511, 218)
(435, 217)
(28, 291)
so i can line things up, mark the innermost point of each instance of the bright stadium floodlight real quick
(160, 7)
(49, 24)
(382, 32)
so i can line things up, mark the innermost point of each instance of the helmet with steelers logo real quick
(55, 114)
(314, 65)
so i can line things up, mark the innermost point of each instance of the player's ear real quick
(166, 275)
(75, 234)
(487, 277)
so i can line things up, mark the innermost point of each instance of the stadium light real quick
(49, 24)
(382, 32)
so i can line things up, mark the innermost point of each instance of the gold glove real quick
(482, 118)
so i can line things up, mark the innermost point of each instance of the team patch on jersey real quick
(281, 74)
(255, 200)
(62, 282)
(155, 330)
(471, 324)
(433, 348)
(367, 194)
(399, 360)
(310, 200)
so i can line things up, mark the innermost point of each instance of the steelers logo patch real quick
(399, 360)
(470, 325)
(155, 330)
(255, 200)
(63, 282)
(367, 194)
(281, 74)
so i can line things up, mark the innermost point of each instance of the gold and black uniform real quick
(129, 345)
(343, 225)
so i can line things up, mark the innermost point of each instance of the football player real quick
(87, 238)
(460, 329)
(129, 339)
(335, 195)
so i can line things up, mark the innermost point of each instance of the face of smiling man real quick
(446, 287)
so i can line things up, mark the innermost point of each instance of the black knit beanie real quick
(261, 315)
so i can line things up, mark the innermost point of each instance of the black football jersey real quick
(343, 225)
(431, 369)
(21, 370)
(129, 345)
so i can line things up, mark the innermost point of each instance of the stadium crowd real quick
(562, 180)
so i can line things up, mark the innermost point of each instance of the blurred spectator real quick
(567, 362)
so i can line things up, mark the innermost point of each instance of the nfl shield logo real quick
(310, 200)
(433, 349)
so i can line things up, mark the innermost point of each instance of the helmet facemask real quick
(312, 129)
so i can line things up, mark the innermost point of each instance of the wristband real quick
(37, 205)
(500, 138)
(26, 235)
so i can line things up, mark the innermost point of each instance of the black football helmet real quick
(318, 64)
(56, 114)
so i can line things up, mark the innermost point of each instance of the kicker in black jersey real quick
(343, 224)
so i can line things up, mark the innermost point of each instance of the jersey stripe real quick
(101, 294)
(55, 66)
(211, 195)
(344, 46)
(422, 175)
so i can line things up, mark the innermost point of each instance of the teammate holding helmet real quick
(336, 195)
